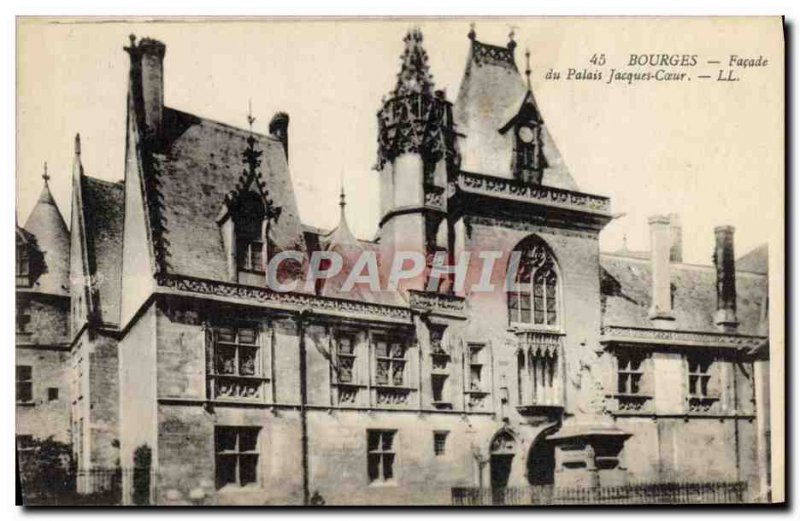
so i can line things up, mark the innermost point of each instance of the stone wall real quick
(43, 347)
(44, 417)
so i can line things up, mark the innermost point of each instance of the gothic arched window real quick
(534, 297)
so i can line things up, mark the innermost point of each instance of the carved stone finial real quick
(77, 144)
(471, 33)
(511, 43)
(250, 118)
(415, 76)
(45, 175)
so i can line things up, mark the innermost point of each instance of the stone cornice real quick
(289, 301)
(556, 198)
(659, 337)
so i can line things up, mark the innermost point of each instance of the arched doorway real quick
(541, 462)
(503, 449)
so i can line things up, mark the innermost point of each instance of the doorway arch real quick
(540, 468)
(501, 457)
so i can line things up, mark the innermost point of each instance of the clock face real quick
(525, 134)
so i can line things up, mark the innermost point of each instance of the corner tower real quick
(416, 155)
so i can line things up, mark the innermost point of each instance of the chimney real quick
(660, 246)
(147, 83)
(676, 236)
(279, 128)
(725, 263)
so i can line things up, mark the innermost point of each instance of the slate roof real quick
(626, 285)
(342, 241)
(46, 224)
(756, 260)
(491, 93)
(103, 203)
(198, 163)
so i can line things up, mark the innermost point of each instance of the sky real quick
(709, 151)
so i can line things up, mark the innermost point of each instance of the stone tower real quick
(416, 154)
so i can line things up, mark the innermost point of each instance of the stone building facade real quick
(597, 369)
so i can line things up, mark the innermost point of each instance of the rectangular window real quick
(251, 255)
(699, 376)
(475, 367)
(236, 456)
(52, 394)
(380, 455)
(23, 318)
(438, 383)
(439, 442)
(629, 374)
(236, 370)
(390, 358)
(24, 383)
(346, 359)
(23, 264)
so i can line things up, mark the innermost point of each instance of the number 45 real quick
(598, 59)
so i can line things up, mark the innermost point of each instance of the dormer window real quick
(528, 159)
(251, 255)
(526, 132)
(248, 217)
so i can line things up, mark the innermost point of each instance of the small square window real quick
(439, 442)
(52, 393)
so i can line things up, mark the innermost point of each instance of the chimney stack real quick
(725, 263)
(279, 128)
(147, 83)
(660, 247)
(676, 235)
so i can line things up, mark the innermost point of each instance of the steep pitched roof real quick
(47, 225)
(756, 260)
(342, 241)
(198, 163)
(103, 204)
(491, 93)
(626, 287)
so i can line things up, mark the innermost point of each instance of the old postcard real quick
(467, 262)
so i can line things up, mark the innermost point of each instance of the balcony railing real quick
(632, 494)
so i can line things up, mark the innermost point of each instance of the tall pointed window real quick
(534, 297)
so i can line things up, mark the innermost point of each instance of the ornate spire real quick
(471, 34)
(528, 67)
(415, 76)
(342, 204)
(45, 175)
(251, 157)
(342, 236)
(77, 144)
